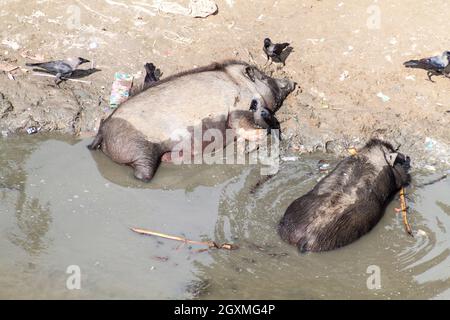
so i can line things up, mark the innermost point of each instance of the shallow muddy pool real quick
(62, 205)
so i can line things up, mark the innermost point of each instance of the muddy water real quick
(61, 205)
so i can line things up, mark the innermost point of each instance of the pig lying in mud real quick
(153, 122)
(348, 202)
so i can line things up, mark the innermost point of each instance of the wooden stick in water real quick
(52, 76)
(404, 210)
(210, 244)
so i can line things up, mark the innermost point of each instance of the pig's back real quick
(182, 103)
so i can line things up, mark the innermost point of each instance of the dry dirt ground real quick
(346, 52)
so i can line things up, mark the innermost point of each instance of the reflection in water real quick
(85, 204)
(33, 219)
(429, 260)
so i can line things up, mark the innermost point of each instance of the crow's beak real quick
(82, 60)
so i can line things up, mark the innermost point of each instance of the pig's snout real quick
(403, 160)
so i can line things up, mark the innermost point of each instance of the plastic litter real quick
(323, 165)
(430, 143)
(289, 158)
(196, 8)
(430, 168)
(344, 75)
(383, 97)
(11, 44)
(120, 90)
(421, 233)
(33, 130)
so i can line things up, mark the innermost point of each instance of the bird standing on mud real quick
(274, 50)
(152, 74)
(263, 117)
(434, 65)
(62, 69)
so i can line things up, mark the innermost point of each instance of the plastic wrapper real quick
(120, 90)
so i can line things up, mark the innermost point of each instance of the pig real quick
(348, 202)
(152, 123)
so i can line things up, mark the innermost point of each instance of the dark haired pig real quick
(219, 96)
(348, 202)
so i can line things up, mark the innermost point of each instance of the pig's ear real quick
(250, 73)
(391, 157)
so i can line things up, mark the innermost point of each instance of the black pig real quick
(348, 202)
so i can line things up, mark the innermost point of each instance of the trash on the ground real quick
(120, 90)
(93, 45)
(323, 165)
(230, 3)
(430, 143)
(4, 133)
(421, 233)
(202, 8)
(33, 130)
(411, 77)
(344, 75)
(352, 151)
(316, 41)
(11, 44)
(10, 76)
(293, 158)
(196, 8)
(383, 97)
(349, 50)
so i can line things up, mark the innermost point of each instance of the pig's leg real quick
(98, 138)
(125, 145)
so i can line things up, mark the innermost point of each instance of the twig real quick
(210, 244)
(251, 57)
(52, 76)
(260, 182)
(404, 210)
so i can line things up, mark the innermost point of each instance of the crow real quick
(274, 50)
(263, 117)
(434, 65)
(152, 74)
(63, 69)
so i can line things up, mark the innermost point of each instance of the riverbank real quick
(347, 60)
